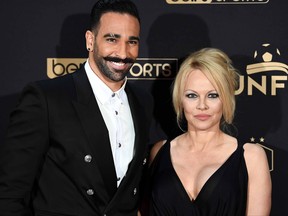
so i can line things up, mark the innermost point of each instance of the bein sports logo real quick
(217, 1)
(142, 69)
(266, 75)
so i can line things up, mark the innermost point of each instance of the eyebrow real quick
(191, 90)
(119, 36)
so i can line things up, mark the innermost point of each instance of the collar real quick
(101, 91)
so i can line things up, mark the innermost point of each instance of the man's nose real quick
(122, 50)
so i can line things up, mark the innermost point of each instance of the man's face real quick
(116, 45)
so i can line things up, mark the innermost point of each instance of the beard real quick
(112, 74)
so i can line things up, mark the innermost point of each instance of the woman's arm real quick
(259, 180)
(154, 150)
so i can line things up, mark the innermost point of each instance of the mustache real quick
(115, 59)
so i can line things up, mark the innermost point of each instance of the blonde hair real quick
(218, 68)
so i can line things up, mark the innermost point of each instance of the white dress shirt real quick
(116, 112)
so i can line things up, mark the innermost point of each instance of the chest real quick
(194, 172)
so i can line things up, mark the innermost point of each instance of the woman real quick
(206, 171)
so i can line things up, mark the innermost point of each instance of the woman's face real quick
(201, 103)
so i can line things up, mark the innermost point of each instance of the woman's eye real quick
(191, 95)
(213, 95)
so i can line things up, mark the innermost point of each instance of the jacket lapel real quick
(140, 122)
(94, 126)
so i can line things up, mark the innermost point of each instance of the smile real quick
(118, 66)
(118, 63)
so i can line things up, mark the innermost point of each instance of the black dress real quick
(225, 192)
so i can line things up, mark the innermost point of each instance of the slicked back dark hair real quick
(104, 6)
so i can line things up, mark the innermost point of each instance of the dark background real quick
(32, 31)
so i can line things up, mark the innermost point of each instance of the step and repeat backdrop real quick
(45, 39)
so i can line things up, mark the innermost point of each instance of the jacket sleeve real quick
(22, 153)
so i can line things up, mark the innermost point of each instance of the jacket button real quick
(88, 158)
(135, 191)
(90, 192)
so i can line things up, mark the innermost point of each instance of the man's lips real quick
(119, 64)
(115, 59)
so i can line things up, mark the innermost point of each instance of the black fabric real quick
(224, 193)
(42, 162)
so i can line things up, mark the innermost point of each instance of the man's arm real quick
(23, 152)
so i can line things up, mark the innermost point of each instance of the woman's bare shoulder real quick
(255, 155)
(154, 150)
(253, 149)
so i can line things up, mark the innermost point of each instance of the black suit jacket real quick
(57, 158)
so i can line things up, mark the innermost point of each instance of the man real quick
(76, 145)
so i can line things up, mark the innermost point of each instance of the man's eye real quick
(112, 40)
(133, 42)
(213, 95)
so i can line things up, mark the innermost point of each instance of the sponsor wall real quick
(45, 39)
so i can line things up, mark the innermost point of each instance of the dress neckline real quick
(178, 180)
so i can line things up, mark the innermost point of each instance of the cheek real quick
(102, 50)
(133, 52)
(188, 106)
(217, 108)
(102, 47)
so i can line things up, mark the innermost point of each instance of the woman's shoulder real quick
(253, 149)
(155, 149)
(159, 145)
(255, 156)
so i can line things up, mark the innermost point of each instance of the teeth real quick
(119, 63)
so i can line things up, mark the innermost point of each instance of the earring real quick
(88, 49)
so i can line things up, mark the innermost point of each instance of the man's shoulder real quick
(55, 81)
(58, 87)
(59, 83)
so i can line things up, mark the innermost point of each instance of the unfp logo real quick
(143, 68)
(217, 1)
(267, 75)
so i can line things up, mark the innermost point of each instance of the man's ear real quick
(89, 40)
